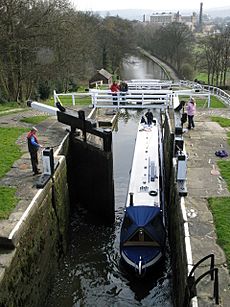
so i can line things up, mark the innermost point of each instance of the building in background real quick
(195, 22)
(162, 19)
(102, 76)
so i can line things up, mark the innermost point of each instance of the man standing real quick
(33, 147)
(124, 90)
(149, 116)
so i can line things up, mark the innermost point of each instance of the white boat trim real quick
(133, 264)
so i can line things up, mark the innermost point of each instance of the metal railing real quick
(191, 291)
(213, 90)
(148, 93)
(132, 98)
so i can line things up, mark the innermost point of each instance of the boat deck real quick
(144, 178)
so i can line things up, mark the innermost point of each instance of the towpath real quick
(201, 144)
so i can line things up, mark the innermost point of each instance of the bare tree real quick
(175, 43)
(217, 54)
(24, 25)
(46, 44)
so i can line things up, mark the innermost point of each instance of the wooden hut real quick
(101, 77)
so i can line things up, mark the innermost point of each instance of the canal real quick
(90, 274)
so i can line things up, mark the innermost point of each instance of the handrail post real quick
(55, 98)
(81, 114)
(216, 286)
(190, 290)
(118, 99)
(212, 264)
(209, 100)
(94, 100)
(73, 99)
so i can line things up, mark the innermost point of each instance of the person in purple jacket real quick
(33, 147)
(191, 111)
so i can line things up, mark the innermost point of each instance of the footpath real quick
(201, 144)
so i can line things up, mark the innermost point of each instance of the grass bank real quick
(9, 153)
(35, 119)
(84, 100)
(215, 103)
(220, 206)
(8, 105)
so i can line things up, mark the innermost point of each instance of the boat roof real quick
(142, 215)
(144, 177)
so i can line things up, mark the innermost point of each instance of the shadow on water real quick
(90, 274)
(142, 287)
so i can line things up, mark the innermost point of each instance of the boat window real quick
(141, 238)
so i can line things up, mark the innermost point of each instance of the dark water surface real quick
(90, 274)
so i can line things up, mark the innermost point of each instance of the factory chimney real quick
(201, 17)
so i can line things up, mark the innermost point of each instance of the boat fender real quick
(153, 193)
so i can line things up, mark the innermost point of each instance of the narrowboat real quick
(143, 235)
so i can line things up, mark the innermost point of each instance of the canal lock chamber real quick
(34, 262)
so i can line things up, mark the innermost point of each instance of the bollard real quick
(48, 161)
(107, 140)
(131, 199)
(48, 167)
(181, 166)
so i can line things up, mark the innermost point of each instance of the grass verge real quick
(9, 152)
(215, 103)
(220, 206)
(35, 119)
(8, 106)
(221, 215)
(67, 100)
(8, 201)
(223, 122)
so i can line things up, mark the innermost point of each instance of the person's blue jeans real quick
(191, 122)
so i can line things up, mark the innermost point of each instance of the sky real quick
(155, 6)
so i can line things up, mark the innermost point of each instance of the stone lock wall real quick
(175, 219)
(28, 269)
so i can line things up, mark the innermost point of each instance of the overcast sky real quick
(166, 5)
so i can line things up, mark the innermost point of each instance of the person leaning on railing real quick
(114, 89)
(124, 90)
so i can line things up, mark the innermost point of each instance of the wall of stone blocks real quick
(26, 272)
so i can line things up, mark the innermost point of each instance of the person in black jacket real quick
(149, 116)
(33, 147)
(123, 90)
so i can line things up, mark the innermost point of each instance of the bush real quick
(44, 90)
(225, 88)
(187, 71)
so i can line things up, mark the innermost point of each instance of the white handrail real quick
(148, 92)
